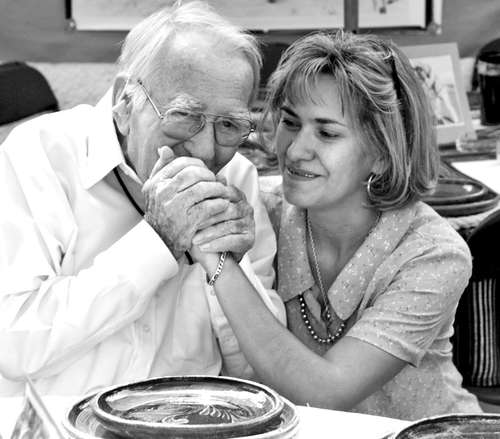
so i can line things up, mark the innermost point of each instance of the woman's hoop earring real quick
(369, 186)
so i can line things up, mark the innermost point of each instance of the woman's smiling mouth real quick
(296, 172)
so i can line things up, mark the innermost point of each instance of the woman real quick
(370, 275)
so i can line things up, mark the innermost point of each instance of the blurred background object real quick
(488, 78)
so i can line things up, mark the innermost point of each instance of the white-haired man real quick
(103, 204)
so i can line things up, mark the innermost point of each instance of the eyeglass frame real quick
(205, 118)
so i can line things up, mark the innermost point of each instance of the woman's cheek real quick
(282, 141)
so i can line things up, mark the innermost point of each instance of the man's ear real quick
(122, 103)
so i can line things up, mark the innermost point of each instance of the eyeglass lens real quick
(183, 124)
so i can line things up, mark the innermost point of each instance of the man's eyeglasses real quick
(182, 124)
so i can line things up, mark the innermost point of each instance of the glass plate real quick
(454, 191)
(489, 201)
(465, 426)
(80, 422)
(187, 406)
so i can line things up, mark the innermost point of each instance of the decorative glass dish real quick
(188, 406)
(487, 202)
(459, 426)
(81, 423)
(454, 191)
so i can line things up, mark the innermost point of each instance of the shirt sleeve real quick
(49, 315)
(257, 265)
(417, 306)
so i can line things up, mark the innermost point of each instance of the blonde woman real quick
(370, 275)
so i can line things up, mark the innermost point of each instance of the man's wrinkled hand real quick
(180, 196)
(231, 230)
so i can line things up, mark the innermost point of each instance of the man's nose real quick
(202, 144)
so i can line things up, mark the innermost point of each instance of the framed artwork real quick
(392, 13)
(268, 15)
(260, 15)
(438, 66)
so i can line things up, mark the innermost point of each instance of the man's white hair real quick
(145, 42)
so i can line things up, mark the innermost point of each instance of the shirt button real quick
(146, 329)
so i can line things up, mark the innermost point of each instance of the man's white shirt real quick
(89, 294)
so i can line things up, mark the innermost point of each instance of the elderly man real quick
(102, 205)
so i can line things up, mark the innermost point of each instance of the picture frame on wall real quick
(407, 16)
(438, 67)
(260, 15)
(392, 13)
(269, 15)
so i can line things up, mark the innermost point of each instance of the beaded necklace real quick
(326, 314)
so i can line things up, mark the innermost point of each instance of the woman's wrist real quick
(209, 261)
(211, 279)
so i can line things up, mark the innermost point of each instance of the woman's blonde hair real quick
(382, 97)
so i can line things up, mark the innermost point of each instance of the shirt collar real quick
(345, 294)
(294, 275)
(103, 150)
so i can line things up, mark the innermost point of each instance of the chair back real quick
(24, 92)
(476, 342)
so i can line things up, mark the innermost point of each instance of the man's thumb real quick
(166, 155)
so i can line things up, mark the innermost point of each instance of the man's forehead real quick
(205, 78)
(192, 51)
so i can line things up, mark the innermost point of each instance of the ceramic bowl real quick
(185, 406)
(80, 422)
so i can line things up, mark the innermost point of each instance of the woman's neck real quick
(334, 238)
(342, 231)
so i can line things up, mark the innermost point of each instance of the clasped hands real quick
(193, 210)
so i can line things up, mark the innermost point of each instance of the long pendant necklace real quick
(127, 193)
(326, 314)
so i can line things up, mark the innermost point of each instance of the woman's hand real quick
(232, 230)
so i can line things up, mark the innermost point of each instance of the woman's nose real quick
(301, 146)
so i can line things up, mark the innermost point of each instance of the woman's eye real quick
(289, 123)
(328, 134)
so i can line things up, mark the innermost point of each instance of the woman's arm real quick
(348, 373)
(420, 287)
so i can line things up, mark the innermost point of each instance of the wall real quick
(35, 30)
